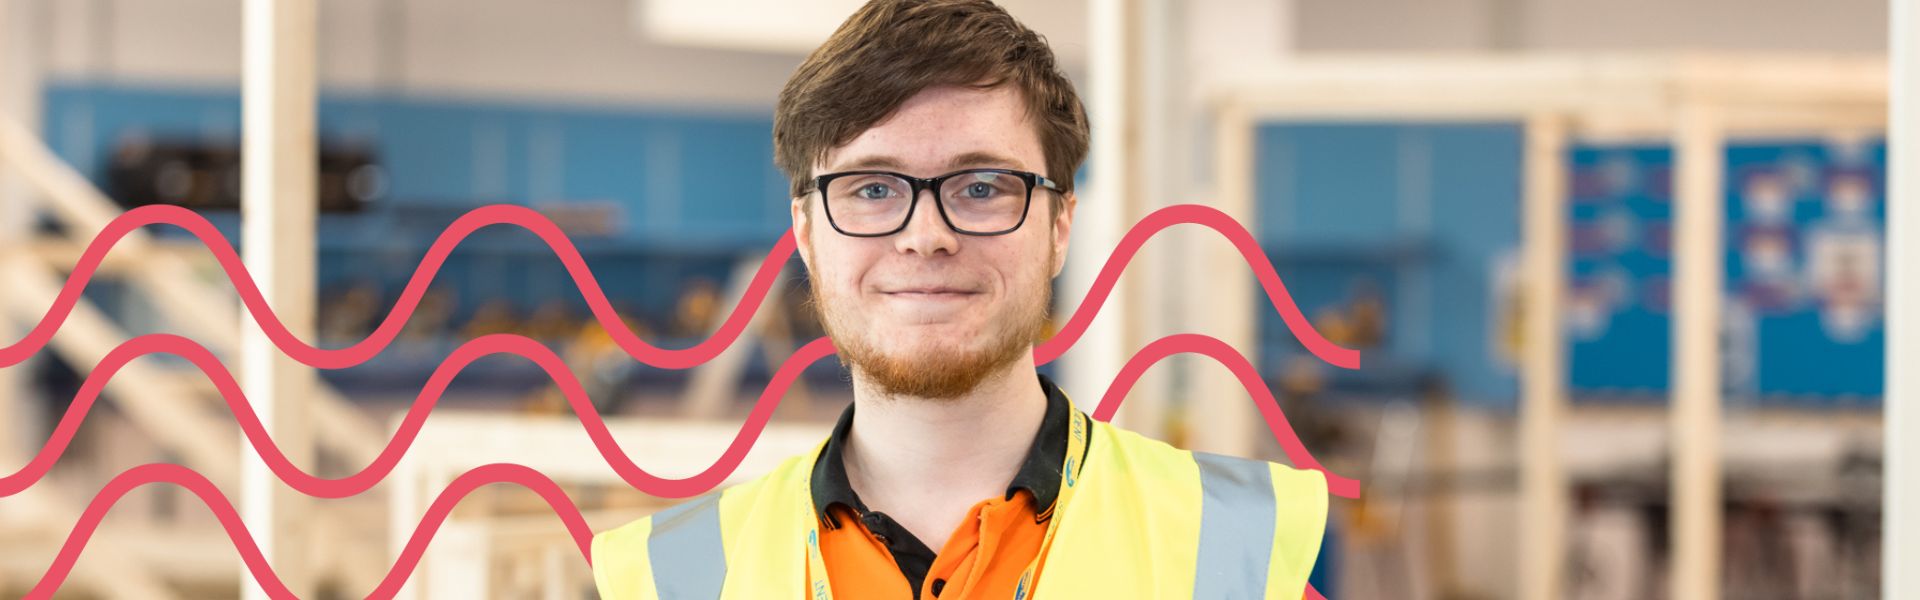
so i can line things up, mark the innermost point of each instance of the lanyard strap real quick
(1076, 456)
(1069, 482)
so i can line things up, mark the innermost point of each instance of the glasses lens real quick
(984, 201)
(868, 203)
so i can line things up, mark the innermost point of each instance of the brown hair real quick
(890, 50)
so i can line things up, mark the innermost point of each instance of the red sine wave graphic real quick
(570, 387)
(602, 309)
(590, 419)
(256, 561)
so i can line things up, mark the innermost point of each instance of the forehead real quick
(944, 128)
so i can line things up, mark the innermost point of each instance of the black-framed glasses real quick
(973, 201)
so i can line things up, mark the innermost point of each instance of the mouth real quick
(930, 293)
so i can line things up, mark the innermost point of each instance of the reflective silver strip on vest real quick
(684, 549)
(1236, 527)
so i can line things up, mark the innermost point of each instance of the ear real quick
(1062, 229)
(802, 229)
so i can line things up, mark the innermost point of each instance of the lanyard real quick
(819, 589)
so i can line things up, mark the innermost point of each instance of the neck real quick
(926, 462)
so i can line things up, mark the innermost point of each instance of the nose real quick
(927, 231)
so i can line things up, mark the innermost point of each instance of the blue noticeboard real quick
(1804, 237)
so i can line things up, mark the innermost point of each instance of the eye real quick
(876, 188)
(982, 186)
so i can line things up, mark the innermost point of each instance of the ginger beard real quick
(937, 369)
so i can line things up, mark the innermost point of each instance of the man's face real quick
(929, 312)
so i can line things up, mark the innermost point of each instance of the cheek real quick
(1026, 268)
(837, 272)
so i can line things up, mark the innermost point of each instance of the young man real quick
(932, 146)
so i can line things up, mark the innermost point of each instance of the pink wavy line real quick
(416, 287)
(603, 312)
(1249, 378)
(256, 562)
(590, 418)
(415, 419)
(249, 551)
(1250, 251)
(597, 302)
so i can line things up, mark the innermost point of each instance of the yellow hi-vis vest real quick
(1147, 521)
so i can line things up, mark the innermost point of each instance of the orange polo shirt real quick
(869, 555)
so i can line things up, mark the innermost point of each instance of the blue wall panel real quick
(698, 188)
(1418, 213)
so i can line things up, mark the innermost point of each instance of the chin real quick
(932, 371)
(927, 343)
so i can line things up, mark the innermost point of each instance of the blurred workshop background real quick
(1615, 269)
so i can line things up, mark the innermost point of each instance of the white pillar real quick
(1698, 267)
(1543, 482)
(277, 242)
(1902, 401)
(1219, 412)
(1105, 203)
(20, 93)
(1142, 166)
(1147, 58)
(407, 500)
(19, 101)
(1224, 39)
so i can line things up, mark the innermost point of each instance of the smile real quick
(931, 294)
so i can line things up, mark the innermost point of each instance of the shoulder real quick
(621, 557)
(740, 495)
(1142, 456)
(1219, 502)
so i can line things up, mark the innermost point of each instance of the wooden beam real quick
(1698, 267)
(20, 92)
(454, 441)
(1408, 80)
(1219, 404)
(1159, 168)
(1543, 481)
(716, 384)
(192, 554)
(1902, 400)
(1105, 202)
(278, 189)
(154, 398)
(208, 314)
(1760, 95)
(106, 568)
(69, 197)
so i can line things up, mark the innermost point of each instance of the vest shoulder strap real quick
(684, 551)
(1260, 527)
(1149, 520)
(1174, 523)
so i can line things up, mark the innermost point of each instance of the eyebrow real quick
(981, 159)
(963, 161)
(870, 162)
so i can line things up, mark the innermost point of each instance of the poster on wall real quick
(1804, 235)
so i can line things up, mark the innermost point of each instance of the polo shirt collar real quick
(1039, 473)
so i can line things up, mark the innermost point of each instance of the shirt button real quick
(939, 584)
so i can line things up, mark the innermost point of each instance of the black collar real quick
(1039, 474)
